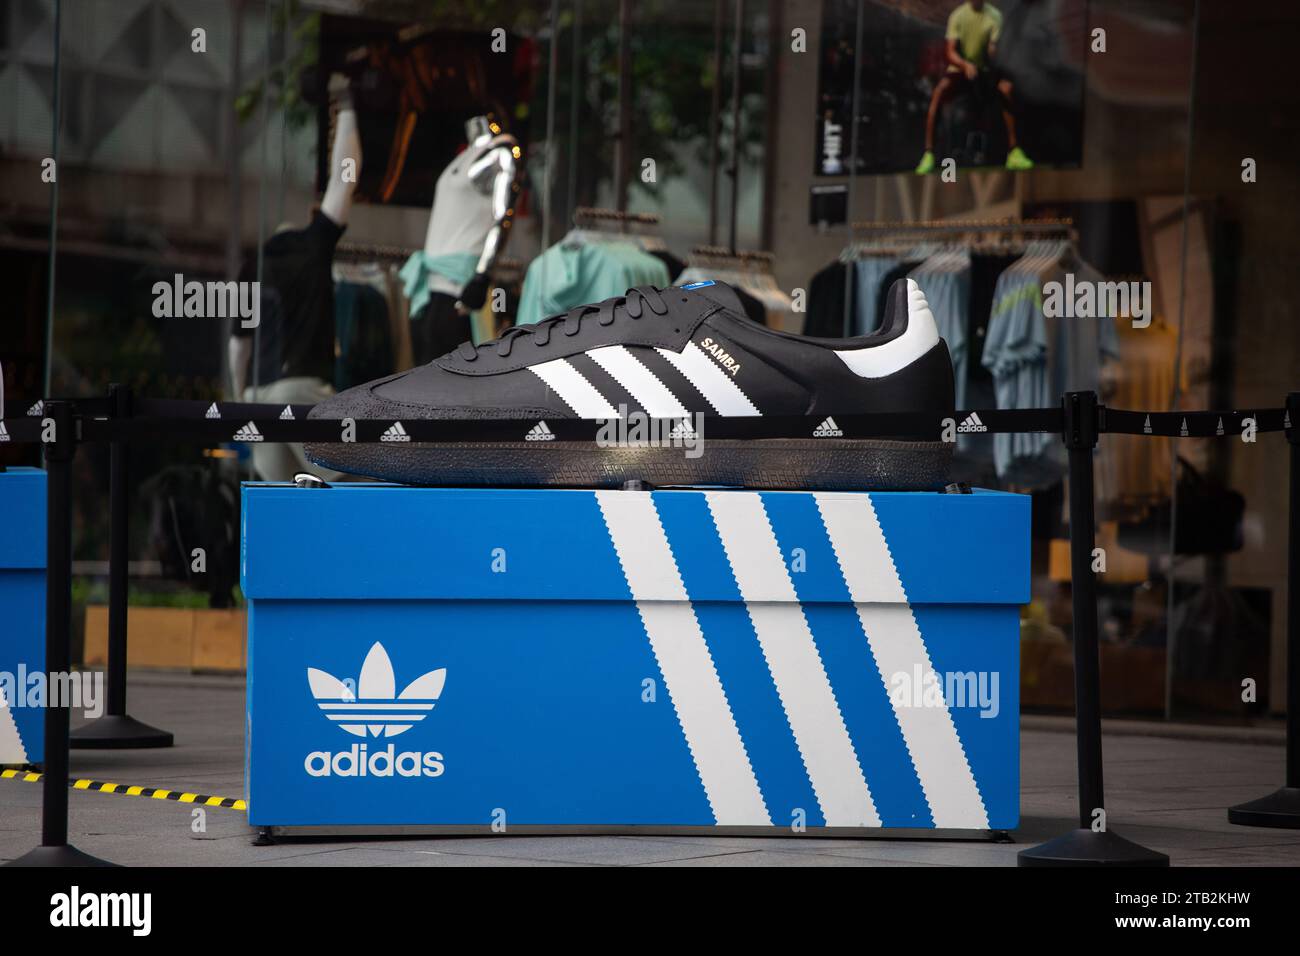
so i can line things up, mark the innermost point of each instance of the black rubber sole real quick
(823, 464)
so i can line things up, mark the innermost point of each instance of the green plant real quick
(282, 83)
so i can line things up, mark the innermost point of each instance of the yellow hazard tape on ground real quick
(99, 786)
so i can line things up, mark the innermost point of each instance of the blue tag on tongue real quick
(699, 285)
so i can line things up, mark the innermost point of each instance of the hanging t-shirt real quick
(295, 335)
(947, 289)
(1034, 359)
(674, 265)
(572, 274)
(365, 346)
(1015, 352)
(826, 294)
(869, 273)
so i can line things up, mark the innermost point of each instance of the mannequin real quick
(296, 335)
(473, 209)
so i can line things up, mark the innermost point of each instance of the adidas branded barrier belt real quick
(214, 422)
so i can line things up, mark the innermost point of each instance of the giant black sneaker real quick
(665, 353)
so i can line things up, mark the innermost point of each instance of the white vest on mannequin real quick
(464, 212)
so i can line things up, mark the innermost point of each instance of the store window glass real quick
(388, 179)
(158, 194)
(28, 58)
(1240, 350)
(1073, 169)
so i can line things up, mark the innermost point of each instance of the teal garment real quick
(1034, 359)
(572, 274)
(456, 266)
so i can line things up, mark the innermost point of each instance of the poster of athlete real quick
(987, 83)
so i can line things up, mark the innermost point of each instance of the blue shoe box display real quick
(22, 615)
(475, 659)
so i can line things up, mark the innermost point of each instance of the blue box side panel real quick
(542, 717)
(22, 502)
(412, 543)
(943, 556)
(397, 543)
(982, 640)
(22, 647)
(982, 646)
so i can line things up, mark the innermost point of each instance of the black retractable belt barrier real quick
(1086, 846)
(116, 730)
(1282, 807)
(54, 849)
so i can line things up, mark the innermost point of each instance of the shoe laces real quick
(633, 304)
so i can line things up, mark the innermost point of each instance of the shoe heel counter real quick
(927, 385)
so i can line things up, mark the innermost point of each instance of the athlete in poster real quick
(971, 48)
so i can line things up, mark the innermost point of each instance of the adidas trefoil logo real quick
(395, 432)
(212, 412)
(376, 708)
(1182, 430)
(1146, 425)
(1218, 429)
(971, 423)
(249, 432)
(287, 414)
(540, 432)
(828, 429)
(37, 410)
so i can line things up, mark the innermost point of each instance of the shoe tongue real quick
(717, 292)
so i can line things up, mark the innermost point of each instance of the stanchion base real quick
(118, 732)
(1279, 809)
(1090, 848)
(51, 856)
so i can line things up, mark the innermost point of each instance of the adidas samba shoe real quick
(687, 354)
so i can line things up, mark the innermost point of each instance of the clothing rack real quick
(595, 216)
(1036, 226)
(989, 235)
(362, 251)
(716, 255)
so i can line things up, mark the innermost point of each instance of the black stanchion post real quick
(54, 849)
(1086, 846)
(1282, 807)
(115, 730)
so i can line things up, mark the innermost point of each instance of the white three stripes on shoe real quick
(683, 656)
(574, 389)
(793, 659)
(713, 383)
(658, 400)
(643, 385)
(896, 643)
